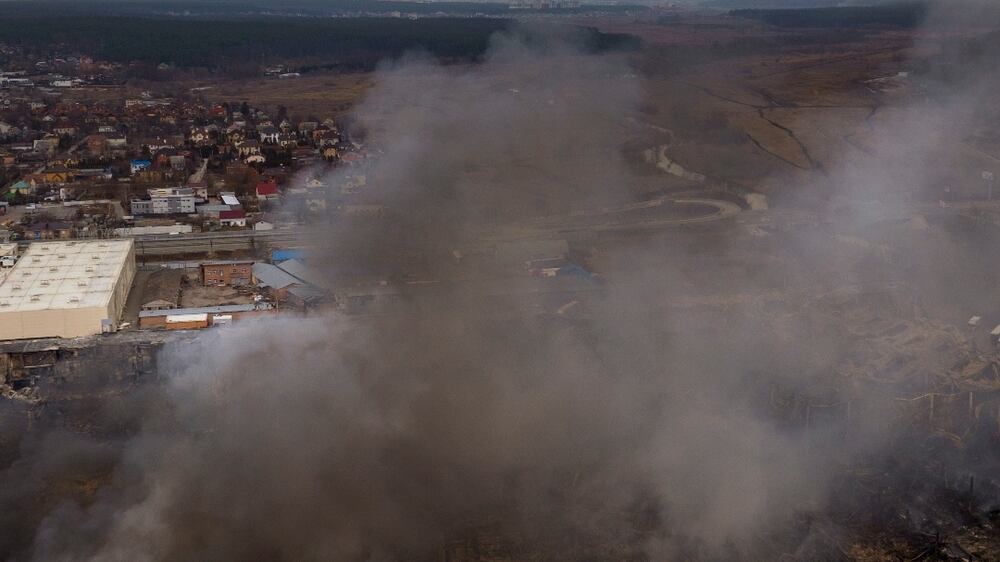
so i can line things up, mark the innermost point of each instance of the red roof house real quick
(267, 190)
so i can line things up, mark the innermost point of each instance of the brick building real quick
(228, 272)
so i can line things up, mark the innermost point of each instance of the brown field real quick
(319, 95)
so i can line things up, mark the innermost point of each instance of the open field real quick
(321, 94)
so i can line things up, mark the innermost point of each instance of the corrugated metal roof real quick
(223, 309)
(301, 271)
(307, 293)
(209, 208)
(271, 276)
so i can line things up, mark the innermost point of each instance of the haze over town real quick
(479, 281)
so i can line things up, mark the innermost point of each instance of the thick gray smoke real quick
(642, 428)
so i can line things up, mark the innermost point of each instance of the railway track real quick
(161, 245)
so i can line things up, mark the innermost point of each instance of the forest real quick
(903, 14)
(358, 42)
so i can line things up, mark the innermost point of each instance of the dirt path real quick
(761, 110)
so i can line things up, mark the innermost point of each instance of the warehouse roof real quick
(271, 276)
(300, 270)
(222, 309)
(65, 275)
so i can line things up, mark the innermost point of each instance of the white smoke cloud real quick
(647, 427)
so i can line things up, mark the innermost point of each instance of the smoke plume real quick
(679, 415)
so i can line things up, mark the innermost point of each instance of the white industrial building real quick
(66, 289)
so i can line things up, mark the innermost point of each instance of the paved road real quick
(607, 219)
(637, 216)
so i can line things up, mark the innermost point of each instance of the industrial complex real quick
(66, 289)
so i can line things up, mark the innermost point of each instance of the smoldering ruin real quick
(780, 386)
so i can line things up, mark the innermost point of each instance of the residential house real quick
(327, 138)
(96, 144)
(117, 141)
(269, 135)
(267, 190)
(64, 129)
(138, 165)
(204, 136)
(178, 162)
(20, 188)
(51, 176)
(199, 187)
(233, 218)
(248, 148)
(47, 145)
(306, 128)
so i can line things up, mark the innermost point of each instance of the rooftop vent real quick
(45, 283)
(4, 303)
(34, 298)
(61, 257)
(73, 299)
(53, 269)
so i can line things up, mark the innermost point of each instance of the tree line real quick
(339, 42)
(903, 14)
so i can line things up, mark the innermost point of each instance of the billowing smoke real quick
(683, 413)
